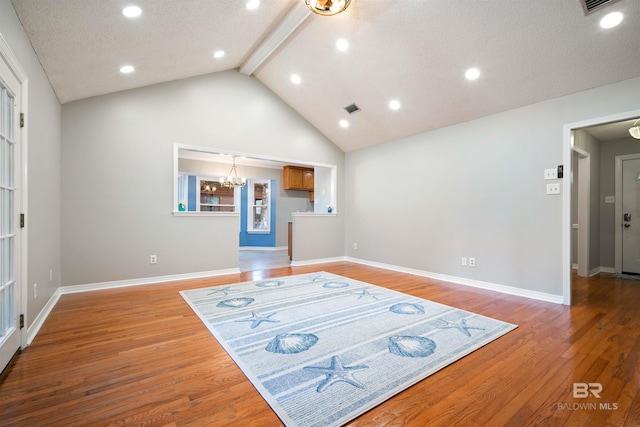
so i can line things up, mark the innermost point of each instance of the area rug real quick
(322, 349)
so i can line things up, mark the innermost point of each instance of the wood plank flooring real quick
(139, 356)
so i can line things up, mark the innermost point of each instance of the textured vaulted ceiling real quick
(415, 51)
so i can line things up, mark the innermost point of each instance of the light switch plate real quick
(550, 174)
(609, 199)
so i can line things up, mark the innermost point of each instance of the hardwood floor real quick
(140, 356)
(252, 260)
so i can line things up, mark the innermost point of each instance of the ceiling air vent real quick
(353, 108)
(592, 5)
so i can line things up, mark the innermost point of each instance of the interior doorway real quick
(595, 142)
(627, 213)
(259, 226)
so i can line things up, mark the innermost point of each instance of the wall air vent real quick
(593, 5)
(353, 108)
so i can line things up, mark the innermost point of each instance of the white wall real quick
(473, 190)
(43, 166)
(117, 173)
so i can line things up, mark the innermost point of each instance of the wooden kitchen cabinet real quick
(298, 178)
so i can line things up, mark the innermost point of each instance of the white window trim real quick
(250, 206)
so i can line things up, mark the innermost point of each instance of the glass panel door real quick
(9, 336)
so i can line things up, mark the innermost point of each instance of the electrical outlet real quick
(464, 260)
(355, 246)
(35, 290)
(153, 259)
(472, 262)
(553, 188)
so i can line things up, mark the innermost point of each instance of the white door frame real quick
(22, 189)
(584, 211)
(618, 208)
(567, 152)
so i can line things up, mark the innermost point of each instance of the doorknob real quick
(627, 225)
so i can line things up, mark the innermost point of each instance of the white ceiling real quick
(415, 51)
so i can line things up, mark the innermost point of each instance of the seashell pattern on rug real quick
(235, 302)
(291, 343)
(411, 346)
(407, 308)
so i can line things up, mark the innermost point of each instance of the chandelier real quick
(327, 7)
(232, 179)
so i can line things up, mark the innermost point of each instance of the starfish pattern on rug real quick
(460, 325)
(366, 294)
(337, 372)
(256, 319)
(222, 291)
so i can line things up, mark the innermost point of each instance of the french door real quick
(10, 338)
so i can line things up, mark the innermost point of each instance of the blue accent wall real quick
(258, 239)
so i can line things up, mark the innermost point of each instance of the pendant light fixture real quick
(232, 179)
(327, 7)
(635, 130)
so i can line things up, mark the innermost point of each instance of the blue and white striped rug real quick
(323, 349)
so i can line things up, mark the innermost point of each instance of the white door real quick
(630, 221)
(9, 290)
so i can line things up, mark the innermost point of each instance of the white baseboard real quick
(263, 248)
(34, 327)
(596, 270)
(72, 289)
(317, 261)
(542, 296)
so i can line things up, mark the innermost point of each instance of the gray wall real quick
(286, 201)
(43, 166)
(591, 145)
(475, 190)
(316, 237)
(117, 173)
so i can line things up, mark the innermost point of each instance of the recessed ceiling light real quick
(611, 20)
(394, 104)
(131, 11)
(344, 123)
(252, 4)
(218, 54)
(295, 79)
(127, 69)
(472, 74)
(342, 44)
